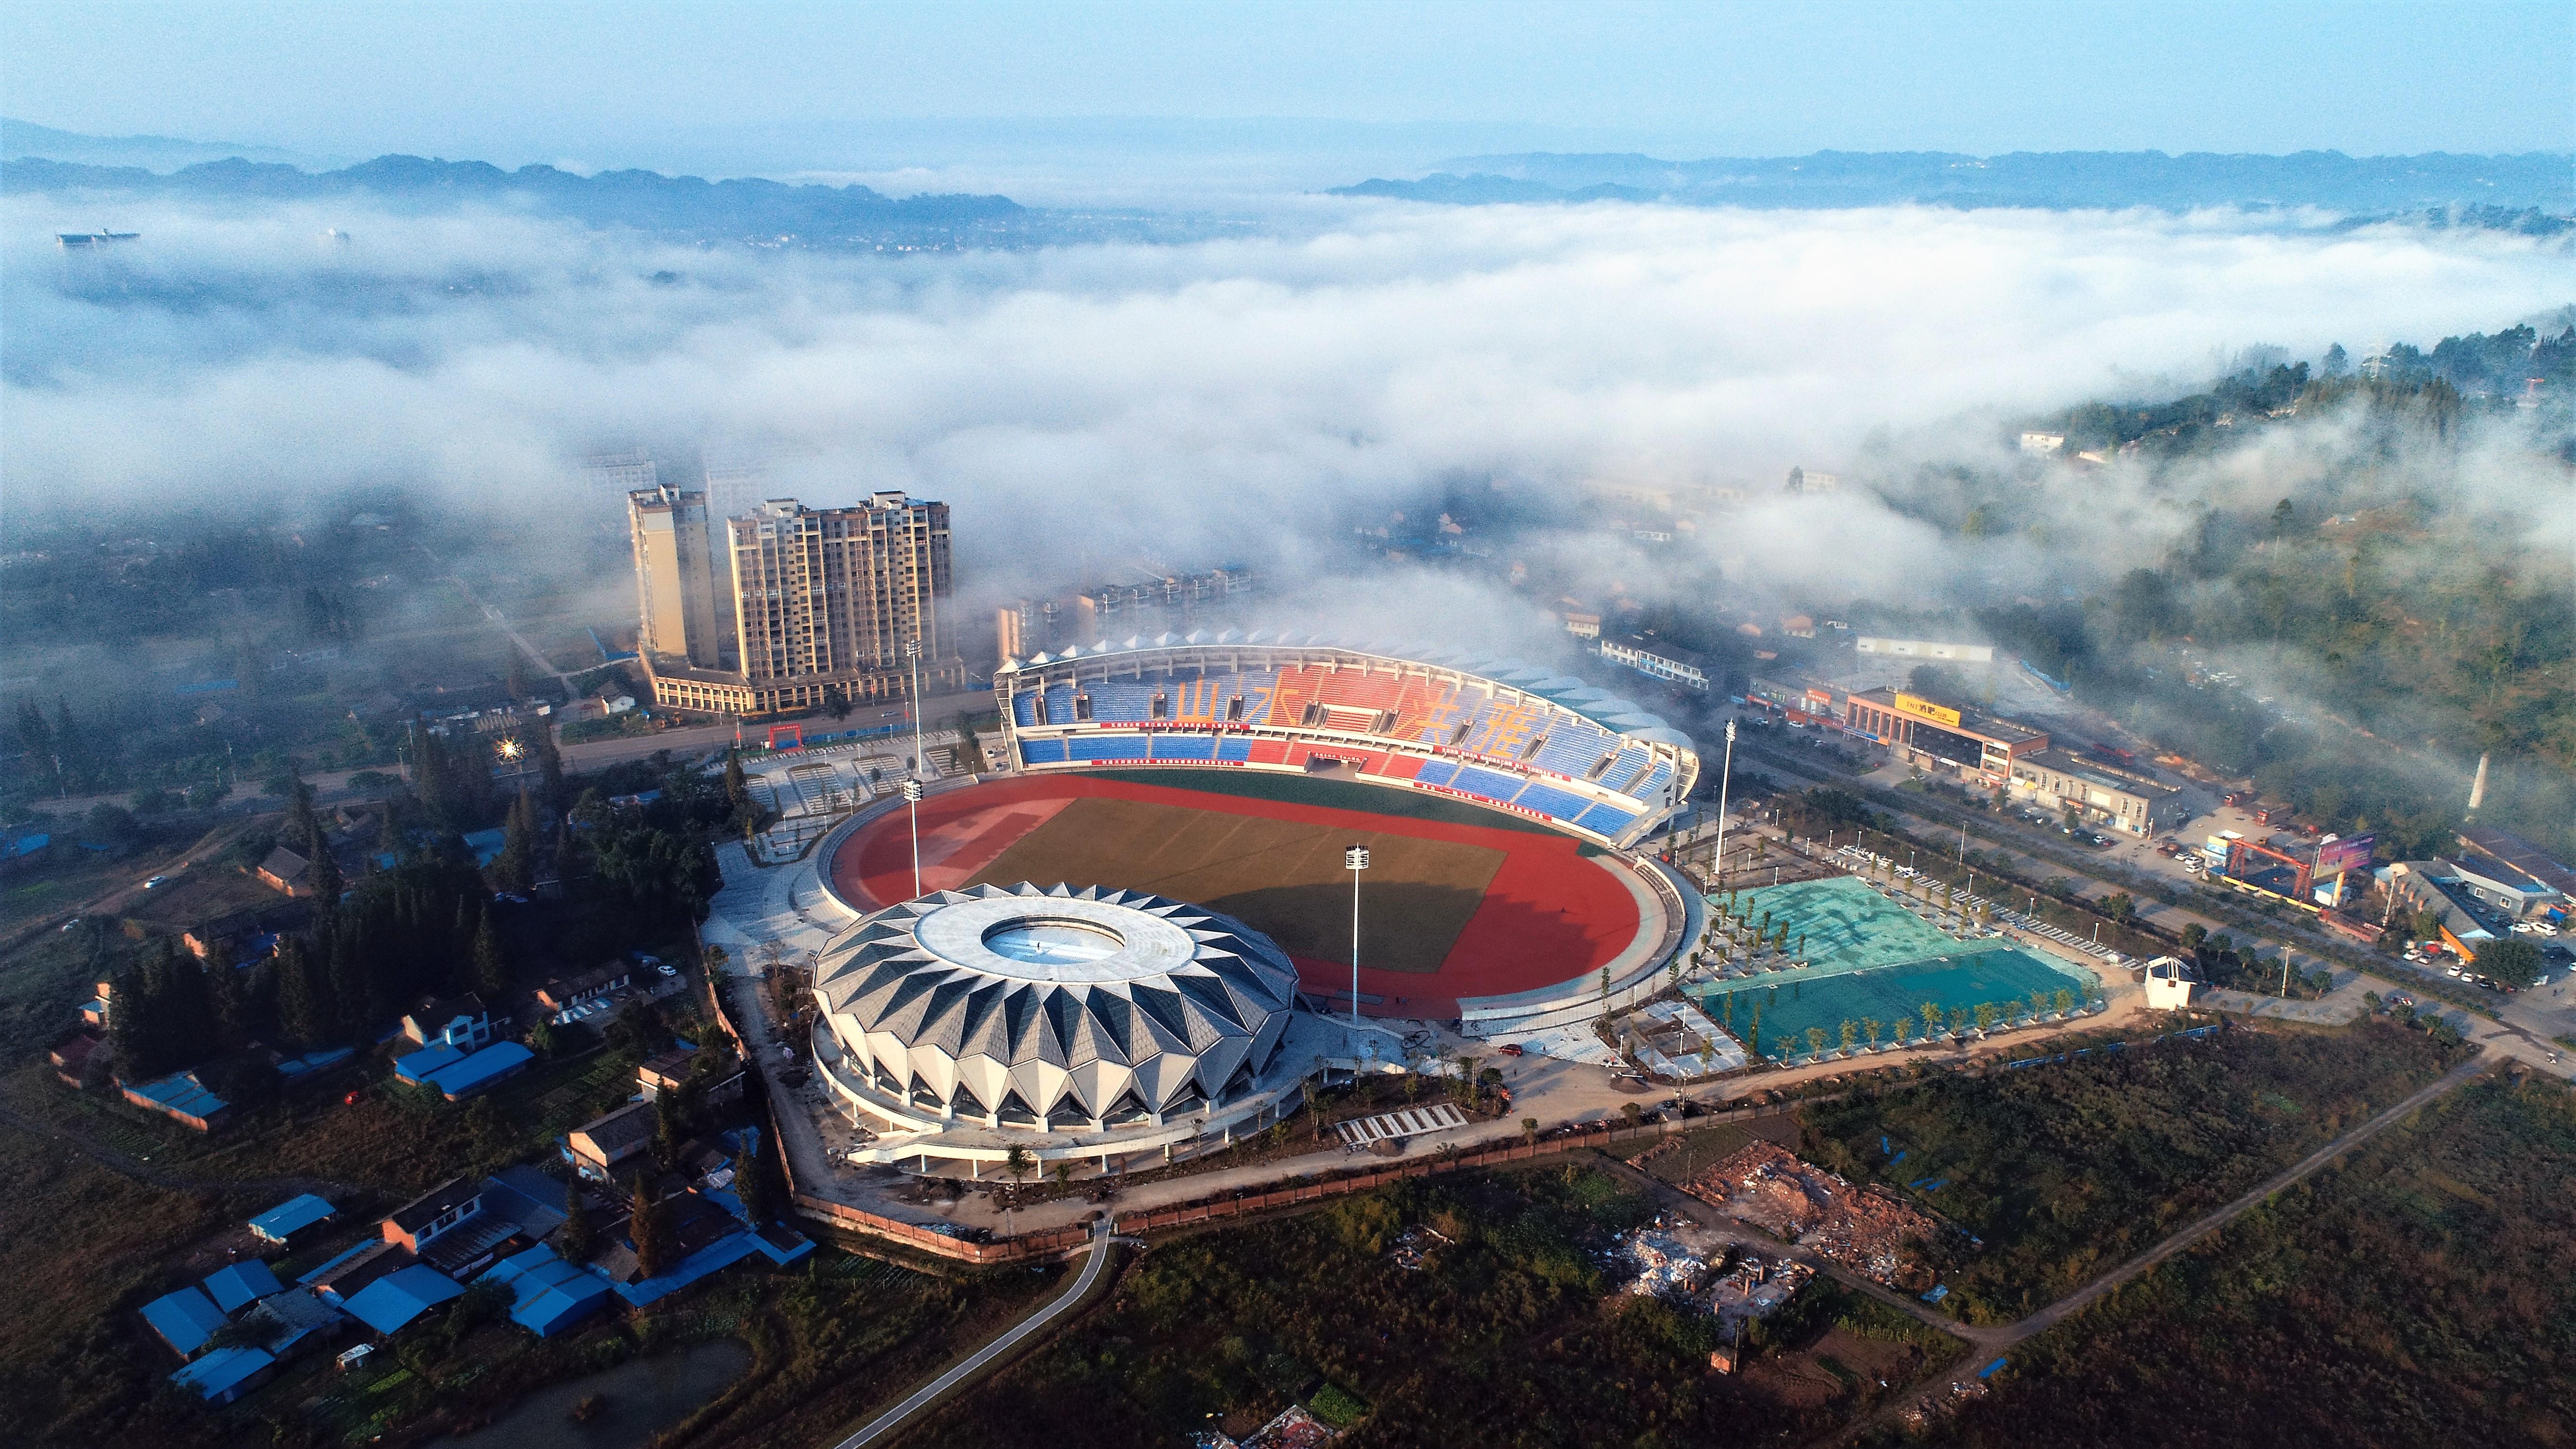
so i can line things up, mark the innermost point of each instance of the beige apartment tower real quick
(675, 583)
(810, 604)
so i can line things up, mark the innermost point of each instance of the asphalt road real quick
(893, 1420)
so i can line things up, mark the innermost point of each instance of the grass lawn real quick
(2069, 1169)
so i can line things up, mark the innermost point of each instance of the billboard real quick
(2351, 853)
(1921, 708)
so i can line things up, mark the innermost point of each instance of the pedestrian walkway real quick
(1396, 1126)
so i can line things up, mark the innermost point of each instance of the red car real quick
(1511, 1049)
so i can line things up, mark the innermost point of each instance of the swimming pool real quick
(1871, 959)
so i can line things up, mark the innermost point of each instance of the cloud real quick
(1247, 398)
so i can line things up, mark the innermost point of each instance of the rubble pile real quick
(1863, 1228)
(1755, 1287)
(1666, 1267)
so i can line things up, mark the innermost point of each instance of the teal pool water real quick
(1845, 924)
(1971, 976)
(1870, 958)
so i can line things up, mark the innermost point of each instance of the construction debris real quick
(1756, 1287)
(1665, 1266)
(1862, 1228)
(1293, 1429)
(1414, 1246)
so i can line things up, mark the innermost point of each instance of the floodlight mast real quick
(1357, 859)
(912, 781)
(1725, 774)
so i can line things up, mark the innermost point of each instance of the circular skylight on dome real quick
(1053, 942)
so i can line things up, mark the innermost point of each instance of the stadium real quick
(1500, 803)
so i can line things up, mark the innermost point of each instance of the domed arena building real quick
(1073, 1024)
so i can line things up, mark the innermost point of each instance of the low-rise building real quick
(1934, 736)
(719, 1075)
(2511, 872)
(1682, 668)
(565, 992)
(182, 1098)
(184, 1319)
(597, 1147)
(283, 1224)
(436, 1211)
(286, 872)
(71, 1057)
(457, 1021)
(2101, 795)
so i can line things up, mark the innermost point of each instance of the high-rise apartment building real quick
(808, 604)
(675, 581)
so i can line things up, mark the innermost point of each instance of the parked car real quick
(1511, 1049)
(156, 882)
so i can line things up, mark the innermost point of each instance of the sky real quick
(794, 88)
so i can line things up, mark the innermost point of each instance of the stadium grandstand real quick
(1497, 732)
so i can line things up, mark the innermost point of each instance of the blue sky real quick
(789, 87)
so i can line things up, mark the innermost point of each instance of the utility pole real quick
(1357, 858)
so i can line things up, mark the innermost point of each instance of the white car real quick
(156, 882)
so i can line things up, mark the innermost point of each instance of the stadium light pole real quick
(1357, 858)
(912, 802)
(1725, 774)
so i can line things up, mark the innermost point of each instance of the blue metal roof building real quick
(182, 1096)
(226, 1374)
(481, 1070)
(416, 1067)
(284, 1221)
(241, 1284)
(551, 1294)
(185, 1319)
(396, 1299)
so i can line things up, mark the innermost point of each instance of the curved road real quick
(893, 1420)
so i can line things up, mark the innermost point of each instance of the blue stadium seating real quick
(1492, 784)
(1105, 747)
(1573, 747)
(1184, 747)
(1234, 747)
(1059, 704)
(1604, 820)
(1656, 779)
(1438, 772)
(1041, 752)
(1024, 709)
(1624, 769)
(1547, 799)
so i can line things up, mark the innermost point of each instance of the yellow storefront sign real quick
(1925, 709)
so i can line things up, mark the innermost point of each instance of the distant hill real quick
(768, 212)
(2053, 179)
(152, 153)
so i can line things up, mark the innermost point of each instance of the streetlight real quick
(912, 801)
(1724, 773)
(1357, 859)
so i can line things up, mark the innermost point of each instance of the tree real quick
(650, 1231)
(1931, 1018)
(1815, 1040)
(1851, 1033)
(667, 1130)
(755, 1181)
(514, 869)
(2065, 1000)
(491, 965)
(578, 1239)
(2511, 962)
(1634, 1113)
(1529, 1130)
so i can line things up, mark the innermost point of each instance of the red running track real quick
(1548, 916)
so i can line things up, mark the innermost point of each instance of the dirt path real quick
(1986, 1342)
(115, 1161)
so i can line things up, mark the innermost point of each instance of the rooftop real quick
(185, 1319)
(482, 1067)
(394, 1300)
(237, 1284)
(434, 1204)
(292, 1216)
(223, 1370)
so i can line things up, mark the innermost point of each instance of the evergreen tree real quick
(579, 1238)
(491, 966)
(304, 1012)
(514, 869)
(549, 766)
(755, 1182)
(667, 1131)
(651, 1232)
(67, 740)
(34, 735)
